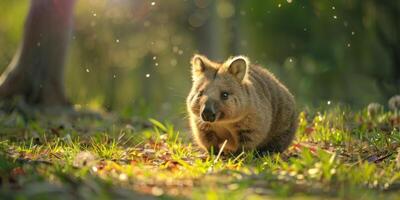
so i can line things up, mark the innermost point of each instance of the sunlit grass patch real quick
(337, 154)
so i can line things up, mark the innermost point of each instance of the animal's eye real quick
(224, 95)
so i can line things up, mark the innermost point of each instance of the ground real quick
(338, 154)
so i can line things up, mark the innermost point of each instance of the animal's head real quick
(219, 92)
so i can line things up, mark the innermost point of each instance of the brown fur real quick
(259, 113)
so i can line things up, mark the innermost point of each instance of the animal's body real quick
(241, 103)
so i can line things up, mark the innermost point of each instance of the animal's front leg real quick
(204, 135)
(229, 144)
(215, 141)
(210, 141)
(248, 139)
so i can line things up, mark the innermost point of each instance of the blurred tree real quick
(36, 71)
(328, 50)
(204, 23)
(387, 26)
(235, 39)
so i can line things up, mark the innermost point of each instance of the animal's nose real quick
(208, 115)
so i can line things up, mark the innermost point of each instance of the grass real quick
(338, 154)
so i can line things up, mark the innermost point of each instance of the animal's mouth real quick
(221, 116)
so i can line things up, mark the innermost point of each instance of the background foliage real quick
(132, 56)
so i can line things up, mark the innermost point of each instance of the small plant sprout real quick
(374, 109)
(394, 103)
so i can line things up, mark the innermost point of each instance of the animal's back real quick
(282, 109)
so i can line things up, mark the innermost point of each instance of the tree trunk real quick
(207, 36)
(36, 71)
(235, 39)
(388, 33)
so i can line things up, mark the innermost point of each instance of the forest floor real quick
(338, 154)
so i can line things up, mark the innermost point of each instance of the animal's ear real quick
(238, 67)
(199, 65)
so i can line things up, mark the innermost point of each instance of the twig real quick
(210, 169)
(237, 157)
(220, 151)
(382, 158)
(27, 161)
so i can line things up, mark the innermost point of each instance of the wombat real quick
(241, 103)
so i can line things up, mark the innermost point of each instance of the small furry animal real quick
(241, 103)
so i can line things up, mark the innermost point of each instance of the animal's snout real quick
(209, 113)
